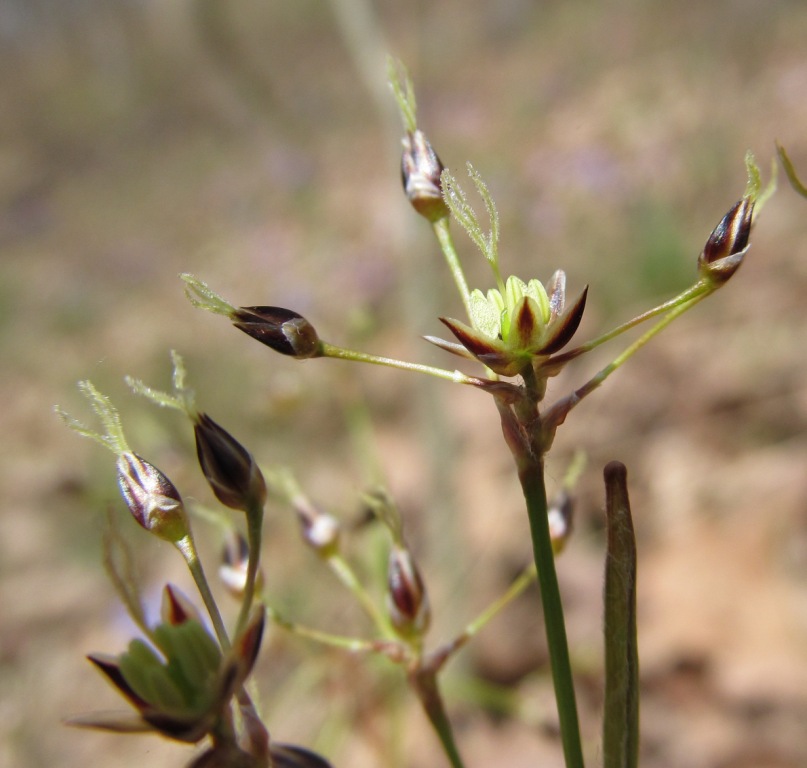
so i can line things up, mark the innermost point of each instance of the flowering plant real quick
(190, 685)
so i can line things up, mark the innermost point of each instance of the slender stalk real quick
(254, 531)
(531, 475)
(622, 358)
(346, 575)
(521, 582)
(329, 350)
(697, 291)
(443, 233)
(187, 549)
(351, 644)
(424, 681)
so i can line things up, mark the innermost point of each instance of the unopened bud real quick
(420, 173)
(560, 520)
(152, 498)
(230, 470)
(727, 245)
(319, 529)
(322, 534)
(407, 599)
(283, 330)
(234, 565)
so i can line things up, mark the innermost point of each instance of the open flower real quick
(513, 329)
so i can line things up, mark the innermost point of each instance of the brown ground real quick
(244, 147)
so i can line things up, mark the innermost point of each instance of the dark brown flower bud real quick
(407, 599)
(152, 498)
(420, 173)
(727, 245)
(283, 330)
(230, 469)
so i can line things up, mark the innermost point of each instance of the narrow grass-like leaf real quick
(621, 717)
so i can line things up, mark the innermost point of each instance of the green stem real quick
(346, 575)
(254, 531)
(187, 549)
(352, 644)
(443, 233)
(697, 291)
(621, 359)
(531, 475)
(329, 350)
(521, 582)
(424, 681)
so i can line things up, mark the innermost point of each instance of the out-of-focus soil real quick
(244, 145)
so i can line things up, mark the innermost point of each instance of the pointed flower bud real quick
(407, 599)
(177, 608)
(420, 173)
(152, 498)
(283, 330)
(517, 327)
(727, 245)
(230, 469)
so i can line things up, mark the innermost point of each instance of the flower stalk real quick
(531, 476)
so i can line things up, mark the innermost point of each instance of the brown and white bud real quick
(283, 330)
(322, 533)
(234, 565)
(152, 498)
(229, 468)
(407, 600)
(420, 174)
(559, 516)
(727, 245)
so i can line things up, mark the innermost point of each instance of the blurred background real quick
(255, 145)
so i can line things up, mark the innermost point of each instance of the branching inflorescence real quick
(191, 686)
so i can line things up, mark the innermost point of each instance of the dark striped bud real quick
(727, 245)
(407, 599)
